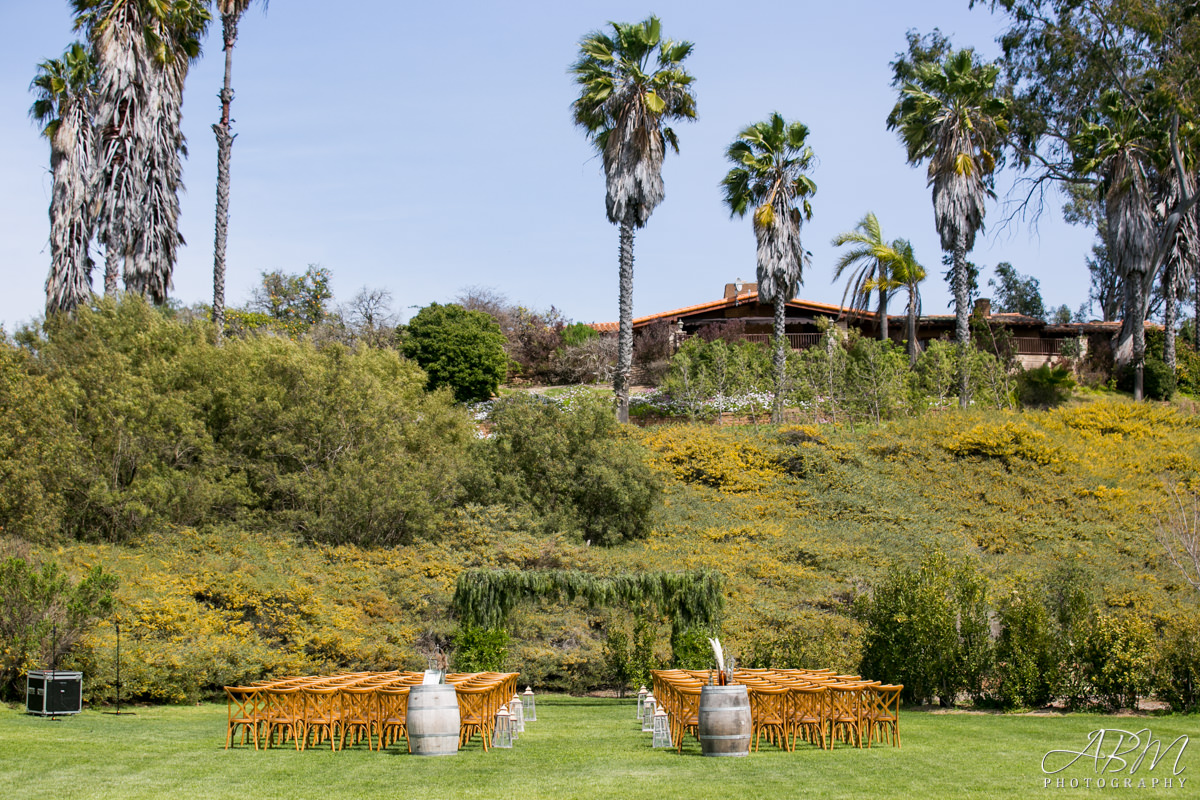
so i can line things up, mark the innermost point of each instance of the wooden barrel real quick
(724, 721)
(433, 720)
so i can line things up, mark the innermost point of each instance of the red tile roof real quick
(728, 302)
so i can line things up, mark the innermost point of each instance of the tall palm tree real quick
(64, 107)
(231, 13)
(632, 81)
(1117, 146)
(142, 50)
(869, 257)
(771, 161)
(950, 114)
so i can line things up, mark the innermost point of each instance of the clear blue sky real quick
(424, 148)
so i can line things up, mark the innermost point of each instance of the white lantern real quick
(502, 733)
(648, 713)
(641, 700)
(516, 711)
(662, 729)
(529, 705)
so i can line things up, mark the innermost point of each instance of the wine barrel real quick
(433, 720)
(724, 721)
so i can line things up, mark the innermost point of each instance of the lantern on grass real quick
(648, 713)
(502, 732)
(530, 709)
(641, 700)
(662, 729)
(516, 713)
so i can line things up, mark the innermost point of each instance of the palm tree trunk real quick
(962, 331)
(912, 330)
(883, 320)
(780, 358)
(1170, 271)
(625, 326)
(112, 269)
(224, 152)
(1139, 333)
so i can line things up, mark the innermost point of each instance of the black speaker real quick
(53, 692)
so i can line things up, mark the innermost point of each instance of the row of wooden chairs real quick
(312, 710)
(480, 696)
(787, 705)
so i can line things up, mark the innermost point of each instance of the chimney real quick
(983, 308)
(739, 288)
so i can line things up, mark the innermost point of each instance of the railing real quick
(798, 341)
(1034, 346)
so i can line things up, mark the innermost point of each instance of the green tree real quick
(950, 114)
(43, 614)
(572, 465)
(462, 350)
(65, 91)
(231, 13)
(770, 177)
(631, 83)
(1017, 293)
(142, 50)
(909, 274)
(871, 258)
(294, 303)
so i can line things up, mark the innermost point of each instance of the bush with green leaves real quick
(704, 375)
(572, 464)
(1026, 669)
(1158, 381)
(480, 649)
(459, 349)
(43, 613)
(1120, 650)
(1177, 668)
(1044, 386)
(146, 423)
(927, 628)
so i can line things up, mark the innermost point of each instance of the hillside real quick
(798, 521)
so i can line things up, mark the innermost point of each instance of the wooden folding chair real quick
(284, 715)
(845, 712)
(244, 712)
(359, 715)
(322, 716)
(808, 714)
(883, 712)
(473, 714)
(393, 716)
(768, 713)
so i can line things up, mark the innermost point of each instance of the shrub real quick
(1158, 381)
(590, 361)
(812, 640)
(1120, 653)
(573, 464)
(1005, 441)
(652, 346)
(578, 333)
(43, 614)
(706, 374)
(1177, 669)
(927, 629)
(460, 349)
(1044, 387)
(480, 649)
(1026, 659)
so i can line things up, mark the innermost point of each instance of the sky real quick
(427, 148)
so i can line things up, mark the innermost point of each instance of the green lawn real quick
(579, 748)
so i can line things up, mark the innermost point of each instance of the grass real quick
(578, 748)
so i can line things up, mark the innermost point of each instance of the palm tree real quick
(870, 257)
(907, 273)
(231, 13)
(142, 50)
(949, 113)
(1116, 146)
(632, 81)
(64, 108)
(771, 161)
